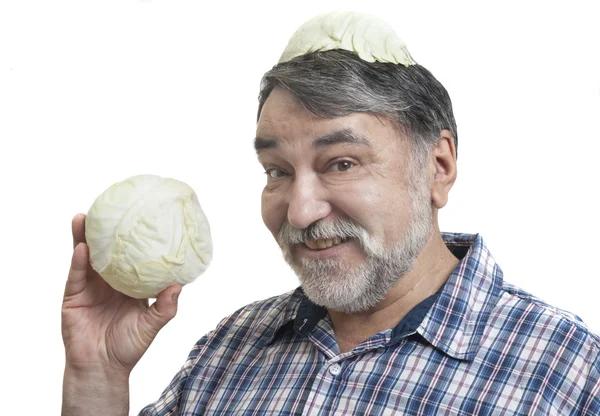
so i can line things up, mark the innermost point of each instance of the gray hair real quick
(337, 83)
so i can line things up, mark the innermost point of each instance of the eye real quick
(274, 173)
(341, 166)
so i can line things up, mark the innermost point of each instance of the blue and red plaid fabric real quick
(479, 347)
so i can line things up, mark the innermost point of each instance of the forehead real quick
(284, 119)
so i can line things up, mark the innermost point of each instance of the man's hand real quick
(105, 332)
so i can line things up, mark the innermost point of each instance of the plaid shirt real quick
(478, 347)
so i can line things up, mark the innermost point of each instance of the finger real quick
(78, 229)
(162, 311)
(77, 279)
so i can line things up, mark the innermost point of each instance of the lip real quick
(304, 251)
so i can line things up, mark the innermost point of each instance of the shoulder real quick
(253, 323)
(551, 347)
(519, 304)
(267, 311)
(558, 339)
(243, 329)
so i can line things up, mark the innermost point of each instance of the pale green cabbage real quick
(146, 233)
(371, 38)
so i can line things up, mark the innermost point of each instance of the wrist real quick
(97, 373)
(95, 391)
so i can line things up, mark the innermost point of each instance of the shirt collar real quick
(455, 321)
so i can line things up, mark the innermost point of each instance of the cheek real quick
(360, 199)
(361, 203)
(383, 212)
(272, 211)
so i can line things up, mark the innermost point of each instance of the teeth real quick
(323, 244)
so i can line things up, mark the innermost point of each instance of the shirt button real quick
(335, 369)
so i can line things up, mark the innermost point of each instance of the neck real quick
(431, 270)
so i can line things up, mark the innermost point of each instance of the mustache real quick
(320, 230)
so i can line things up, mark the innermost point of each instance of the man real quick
(359, 145)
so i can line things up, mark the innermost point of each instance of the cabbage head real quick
(146, 233)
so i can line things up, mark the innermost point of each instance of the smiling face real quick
(342, 200)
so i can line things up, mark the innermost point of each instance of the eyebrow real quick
(346, 136)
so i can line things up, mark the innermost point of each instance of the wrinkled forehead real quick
(284, 119)
(284, 114)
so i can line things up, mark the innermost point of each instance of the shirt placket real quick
(328, 391)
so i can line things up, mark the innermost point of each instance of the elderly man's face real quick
(340, 201)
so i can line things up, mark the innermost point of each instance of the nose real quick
(307, 203)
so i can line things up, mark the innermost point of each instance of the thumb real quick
(77, 279)
(163, 310)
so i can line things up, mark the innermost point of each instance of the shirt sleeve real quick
(169, 401)
(225, 336)
(591, 396)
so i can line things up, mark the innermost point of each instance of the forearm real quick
(95, 393)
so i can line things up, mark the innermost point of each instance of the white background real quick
(94, 92)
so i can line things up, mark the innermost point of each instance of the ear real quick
(443, 158)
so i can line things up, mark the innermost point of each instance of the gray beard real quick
(339, 286)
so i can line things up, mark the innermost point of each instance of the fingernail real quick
(175, 296)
